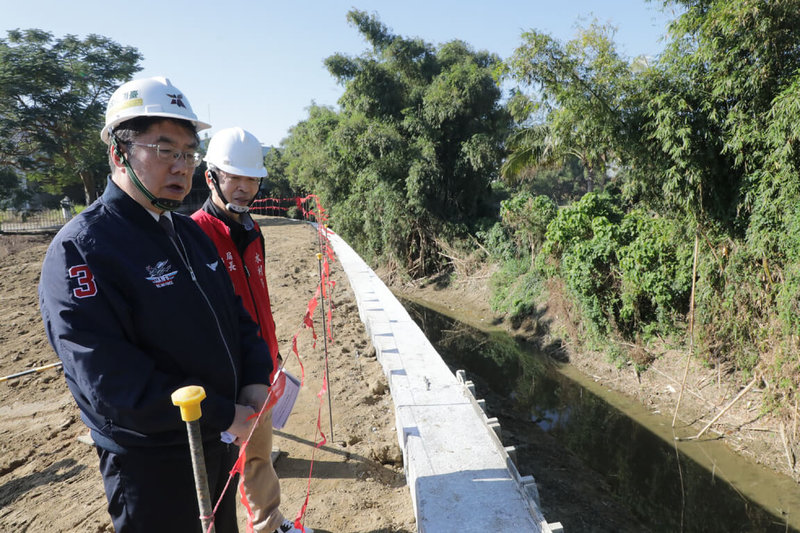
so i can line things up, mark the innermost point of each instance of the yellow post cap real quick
(188, 399)
(319, 257)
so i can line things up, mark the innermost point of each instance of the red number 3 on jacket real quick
(86, 285)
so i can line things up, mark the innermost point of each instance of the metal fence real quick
(46, 220)
(22, 221)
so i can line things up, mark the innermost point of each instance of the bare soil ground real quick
(49, 481)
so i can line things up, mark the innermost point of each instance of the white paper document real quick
(285, 404)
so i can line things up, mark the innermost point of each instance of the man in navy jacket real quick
(137, 304)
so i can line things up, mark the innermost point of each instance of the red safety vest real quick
(248, 276)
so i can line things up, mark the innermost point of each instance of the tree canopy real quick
(579, 90)
(409, 155)
(53, 93)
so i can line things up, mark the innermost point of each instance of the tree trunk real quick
(589, 179)
(89, 188)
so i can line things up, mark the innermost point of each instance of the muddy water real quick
(662, 483)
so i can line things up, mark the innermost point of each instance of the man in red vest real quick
(235, 170)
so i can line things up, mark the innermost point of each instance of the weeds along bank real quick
(532, 298)
(629, 276)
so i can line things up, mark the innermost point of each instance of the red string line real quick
(324, 289)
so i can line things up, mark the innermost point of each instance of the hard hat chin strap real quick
(241, 209)
(238, 209)
(165, 204)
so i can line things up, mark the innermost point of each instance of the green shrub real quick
(630, 272)
(294, 213)
(734, 307)
(573, 223)
(587, 268)
(498, 243)
(515, 288)
(788, 297)
(583, 239)
(655, 269)
(526, 217)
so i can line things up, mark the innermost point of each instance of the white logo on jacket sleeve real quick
(86, 285)
(213, 266)
(160, 274)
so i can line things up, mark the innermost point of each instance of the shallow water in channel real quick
(664, 484)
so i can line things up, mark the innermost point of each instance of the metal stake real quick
(188, 399)
(325, 342)
(31, 371)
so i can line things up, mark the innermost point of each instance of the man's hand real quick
(241, 425)
(254, 395)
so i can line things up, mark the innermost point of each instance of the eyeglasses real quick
(247, 180)
(166, 155)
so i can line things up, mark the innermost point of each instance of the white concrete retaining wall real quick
(460, 475)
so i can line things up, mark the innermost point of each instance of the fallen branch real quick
(452, 258)
(704, 381)
(639, 346)
(480, 246)
(724, 410)
(764, 430)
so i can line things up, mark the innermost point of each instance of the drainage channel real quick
(603, 462)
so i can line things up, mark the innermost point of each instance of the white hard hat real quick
(148, 97)
(236, 151)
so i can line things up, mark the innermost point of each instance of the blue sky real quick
(258, 64)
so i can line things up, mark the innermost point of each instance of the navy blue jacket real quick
(132, 322)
